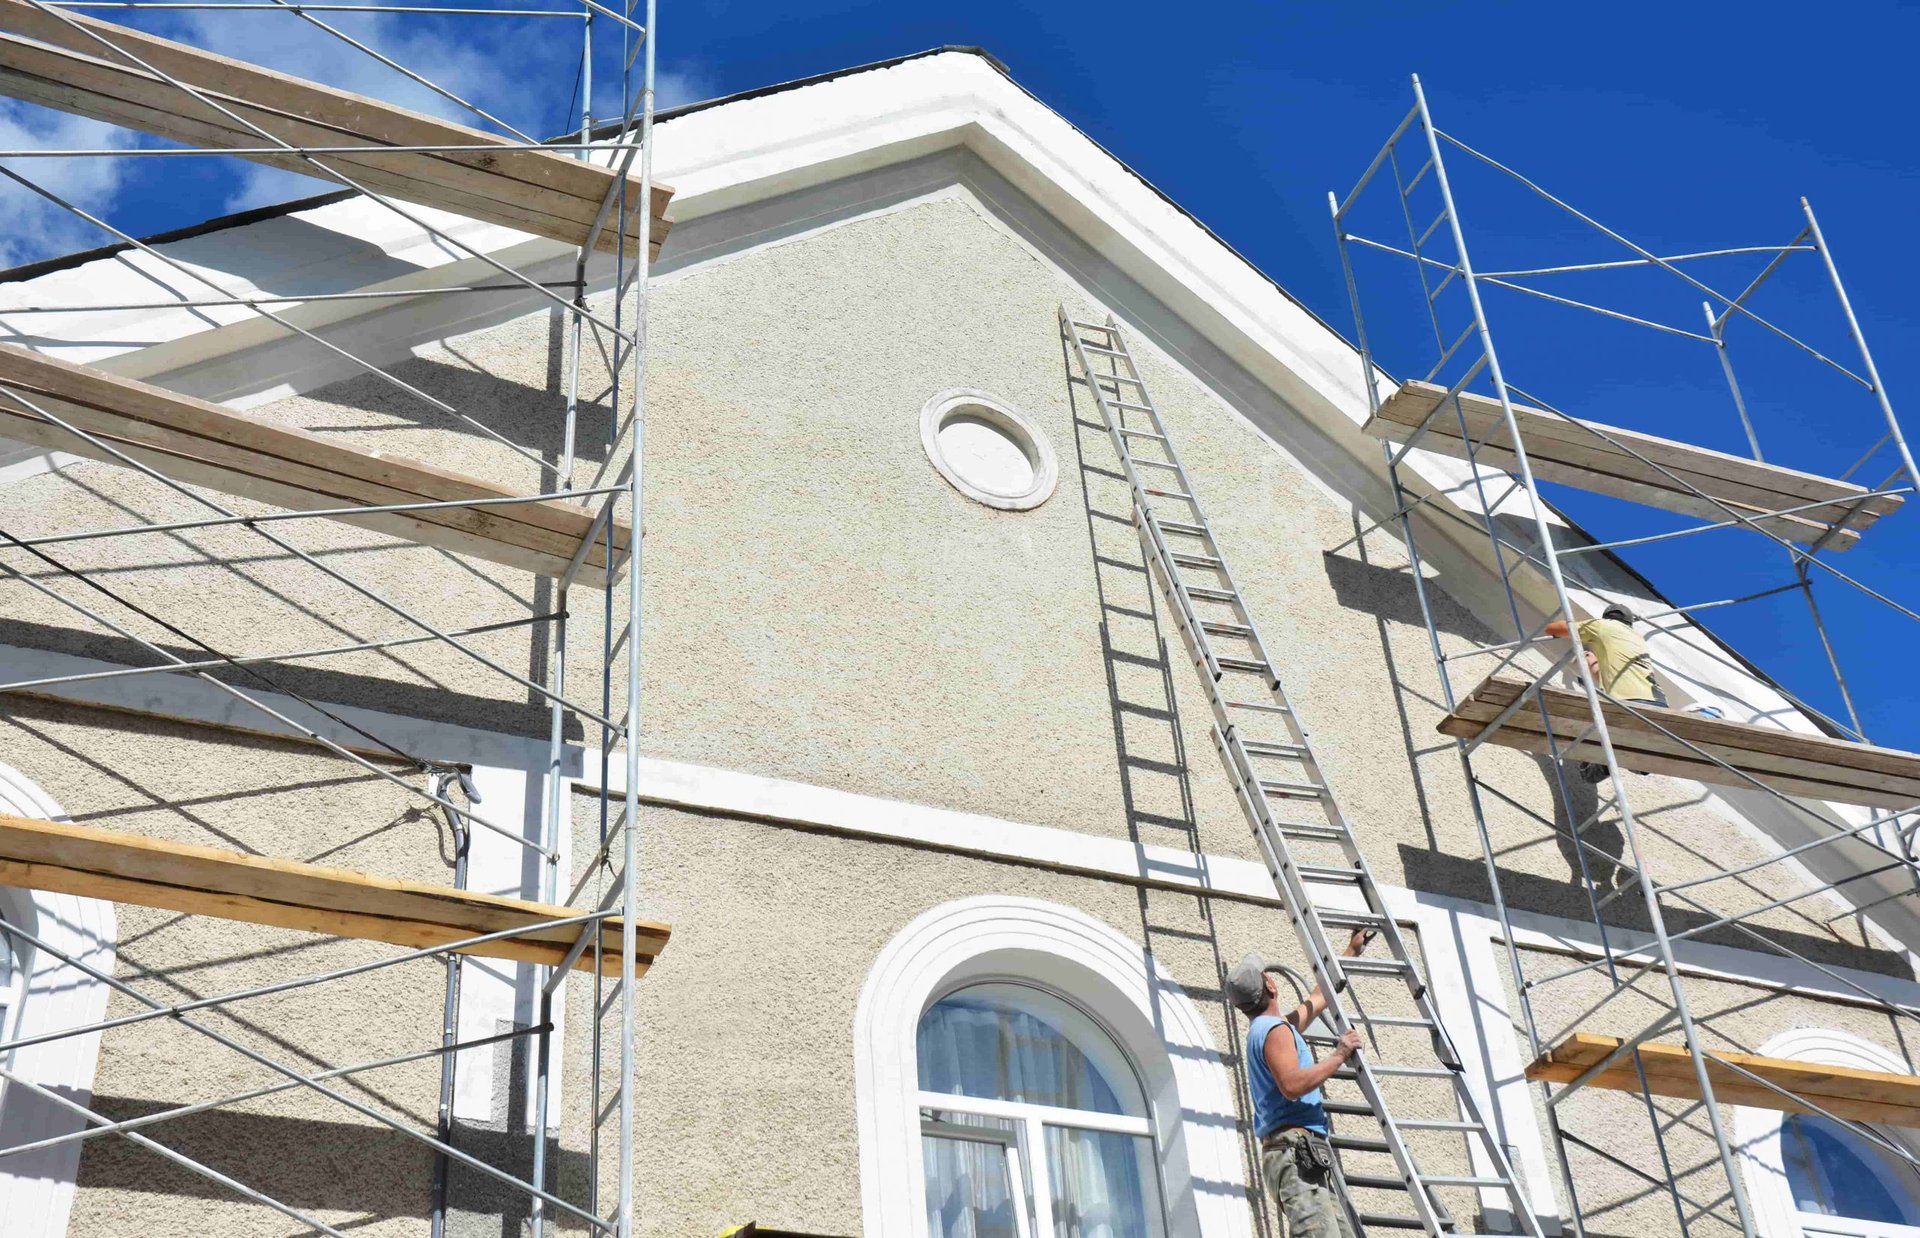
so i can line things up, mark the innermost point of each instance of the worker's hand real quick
(1357, 944)
(1348, 1044)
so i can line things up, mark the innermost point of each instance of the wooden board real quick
(58, 63)
(1796, 764)
(150, 872)
(203, 444)
(1860, 1095)
(1562, 451)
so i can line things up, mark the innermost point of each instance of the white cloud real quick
(37, 228)
(466, 68)
(673, 87)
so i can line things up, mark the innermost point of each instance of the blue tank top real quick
(1271, 1110)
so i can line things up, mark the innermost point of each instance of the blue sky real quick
(1685, 126)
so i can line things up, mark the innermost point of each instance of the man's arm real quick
(1558, 628)
(1295, 1080)
(1316, 1004)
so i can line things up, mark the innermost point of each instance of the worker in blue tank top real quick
(1289, 1114)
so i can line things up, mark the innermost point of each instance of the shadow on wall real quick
(304, 1163)
(1466, 877)
(426, 701)
(532, 417)
(1388, 593)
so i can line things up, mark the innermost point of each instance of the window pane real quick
(1836, 1172)
(968, 1191)
(1103, 1184)
(980, 1043)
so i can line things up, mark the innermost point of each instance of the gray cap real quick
(1247, 984)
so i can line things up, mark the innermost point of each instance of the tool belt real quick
(1312, 1153)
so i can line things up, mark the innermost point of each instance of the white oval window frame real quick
(1028, 437)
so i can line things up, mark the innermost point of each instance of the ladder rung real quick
(1381, 1220)
(1263, 707)
(1118, 378)
(1293, 790)
(1373, 967)
(1352, 1109)
(1211, 595)
(1462, 1180)
(1158, 438)
(1273, 748)
(1169, 494)
(1375, 1182)
(1390, 1020)
(1436, 1124)
(1092, 326)
(1181, 526)
(1117, 402)
(1354, 1143)
(1250, 665)
(1311, 829)
(1214, 628)
(1158, 464)
(1187, 560)
(1111, 352)
(1347, 1073)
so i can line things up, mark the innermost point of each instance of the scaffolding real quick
(1467, 407)
(593, 191)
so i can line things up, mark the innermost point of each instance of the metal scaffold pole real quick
(578, 191)
(1496, 433)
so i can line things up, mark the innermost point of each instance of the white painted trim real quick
(1021, 429)
(1757, 1131)
(1189, 1089)
(37, 1188)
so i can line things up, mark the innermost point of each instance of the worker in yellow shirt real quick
(1621, 666)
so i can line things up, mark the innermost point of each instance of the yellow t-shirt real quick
(1626, 670)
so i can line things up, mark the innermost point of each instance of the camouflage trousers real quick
(1311, 1208)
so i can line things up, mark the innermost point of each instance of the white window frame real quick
(1192, 1114)
(1021, 429)
(1757, 1131)
(38, 1187)
(1034, 1119)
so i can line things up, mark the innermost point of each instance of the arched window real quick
(1810, 1177)
(1033, 1122)
(1835, 1171)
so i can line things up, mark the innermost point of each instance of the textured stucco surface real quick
(821, 606)
(1615, 1125)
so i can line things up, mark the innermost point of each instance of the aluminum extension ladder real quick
(1181, 550)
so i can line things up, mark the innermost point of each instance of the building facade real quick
(931, 800)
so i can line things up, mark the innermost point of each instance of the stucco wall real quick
(1612, 1147)
(270, 799)
(821, 606)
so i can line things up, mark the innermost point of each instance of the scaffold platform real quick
(254, 889)
(130, 78)
(203, 444)
(1652, 740)
(1641, 468)
(1738, 1079)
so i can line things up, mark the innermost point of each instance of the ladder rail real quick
(1249, 787)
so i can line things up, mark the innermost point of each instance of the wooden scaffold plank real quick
(1559, 450)
(55, 60)
(203, 444)
(1845, 1092)
(230, 885)
(1808, 765)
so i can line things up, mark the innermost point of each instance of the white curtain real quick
(1098, 1188)
(1102, 1184)
(968, 1194)
(996, 1052)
